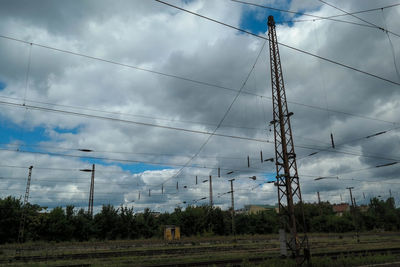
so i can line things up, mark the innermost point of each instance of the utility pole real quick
(233, 208)
(23, 214)
(91, 194)
(319, 204)
(286, 167)
(211, 193)
(351, 195)
(353, 209)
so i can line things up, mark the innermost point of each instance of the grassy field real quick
(197, 249)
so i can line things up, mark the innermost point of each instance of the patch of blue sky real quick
(11, 132)
(132, 168)
(267, 176)
(74, 130)
(2, 85)
(255, 19)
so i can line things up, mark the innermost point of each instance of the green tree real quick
(106, 223)
(57, 226)
(10, 214)
(83, 226)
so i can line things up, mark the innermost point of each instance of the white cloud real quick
(149, 35)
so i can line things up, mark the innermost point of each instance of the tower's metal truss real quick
(287, 179)
(24, 208)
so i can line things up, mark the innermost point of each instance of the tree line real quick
(70, 224)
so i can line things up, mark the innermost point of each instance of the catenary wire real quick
(315, 17)
(128, 114)
(302, 14)
(206, 123)
(221, 121)
(361, 19)
(341, 15)
(282, 44)
(192, 80)
(121, 160)
(128, 121)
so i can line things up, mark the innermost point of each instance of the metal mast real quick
(233, 207)
(286, 168)
(23, 215)
(211, 192)
(90, 208)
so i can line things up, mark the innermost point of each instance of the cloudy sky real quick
(143, 86)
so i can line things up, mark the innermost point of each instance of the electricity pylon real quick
(24, 208)
(287, 179)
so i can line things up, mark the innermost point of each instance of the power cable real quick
(124, 160)
(201, 123)
(116, 152)
(391, 48)
(301, 14)
(282, 44)
(364, 11)
(184, 78)
(341, 15)
(127, 114)
(28, 70)
(128, 121)
(353, 140)
(352, 171)
(221, 121)
(166, 164)
(363, 20)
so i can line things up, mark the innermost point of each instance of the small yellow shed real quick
(172, 232)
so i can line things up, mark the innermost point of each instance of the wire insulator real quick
(333, 142)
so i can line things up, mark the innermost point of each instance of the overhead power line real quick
(75, 149)
(171, 76)
(301, 14)
(328, 148)
(128, 121)
(197, 166)
(171, 128)
(315, 17)
(282, 44)
(341, 15)
(113, 62)
(221, 121)
(361, 19)
(364, 11)
(90, 151)
(204, 123)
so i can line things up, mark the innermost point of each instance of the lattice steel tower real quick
(24, 208)
(287, 179)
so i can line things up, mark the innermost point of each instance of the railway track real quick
(255, 260)
(147, 252)
(194, 251)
